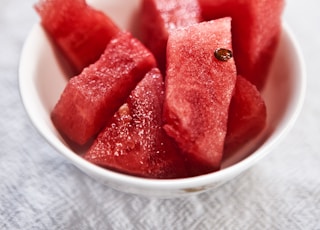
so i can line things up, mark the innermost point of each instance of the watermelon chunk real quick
(134, 141)
(199, 88)
(79, 31)
(247, 116)
(91, 98)
(159, 17)
(256, 28)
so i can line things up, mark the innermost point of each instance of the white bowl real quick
(42, 80)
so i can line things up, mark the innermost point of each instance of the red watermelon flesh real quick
(134, 141)
(91, 98)
(199, 88)
(159, 17)
(256, 28)
(80, 32)
(247, 116)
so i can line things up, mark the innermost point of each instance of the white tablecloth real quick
(40, 189)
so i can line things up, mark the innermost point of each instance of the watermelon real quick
(134, 141)
(79, 31)
(159, 17)
(199, 88)
(247, 116)
(91, 98)
(256, 28)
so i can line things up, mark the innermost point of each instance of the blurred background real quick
(39, 189)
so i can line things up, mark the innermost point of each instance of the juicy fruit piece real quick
(247, 116)
(80, 32)
(199, 88)
(91, 98)
(159, 17)
(256, 28)
(134, 141)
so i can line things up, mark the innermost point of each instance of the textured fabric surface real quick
(40, 189)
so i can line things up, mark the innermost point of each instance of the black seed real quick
(223, 54)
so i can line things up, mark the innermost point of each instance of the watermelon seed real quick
(223, 54)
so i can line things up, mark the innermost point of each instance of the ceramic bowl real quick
(42, 80)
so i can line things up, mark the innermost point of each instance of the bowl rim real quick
(168, 184)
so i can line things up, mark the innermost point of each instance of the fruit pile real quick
(176, 101)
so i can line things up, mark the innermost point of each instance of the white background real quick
(39, 189)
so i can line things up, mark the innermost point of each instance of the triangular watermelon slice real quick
(247, 116)
(134, 141)
(159, 17)
(79, 31)
(199, 88)
(91, 98)
(256, 28)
